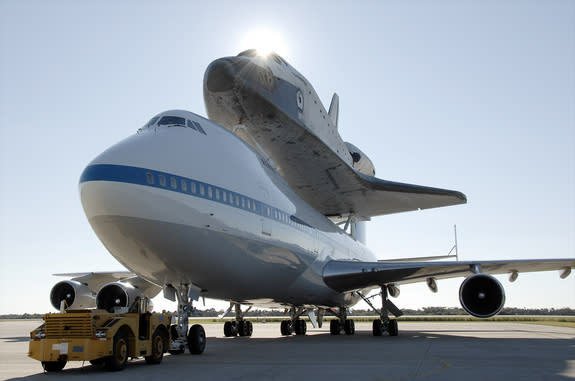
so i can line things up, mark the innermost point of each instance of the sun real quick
(265, 41)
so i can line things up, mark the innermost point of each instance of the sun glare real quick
(264, 41)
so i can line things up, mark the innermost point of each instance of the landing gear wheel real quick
(392, 328)
(158, 342)
(245, 328)
(230, 329)
(300, 327)
(286, 327)
(53, 366)
(377, 328)
(349, 327)
(334, 327)
(197, 339)
(120, 353)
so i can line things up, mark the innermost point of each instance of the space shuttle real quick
(274, 108)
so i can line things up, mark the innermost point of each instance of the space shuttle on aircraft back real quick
(274, 108)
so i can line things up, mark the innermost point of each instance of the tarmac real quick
(426, 351)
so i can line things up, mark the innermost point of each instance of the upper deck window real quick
(172, 121)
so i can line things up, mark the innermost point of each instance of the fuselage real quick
(185, 201)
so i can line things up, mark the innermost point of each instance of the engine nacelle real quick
(481, 295)
(75, 294)
(117, 295)
(361, 162)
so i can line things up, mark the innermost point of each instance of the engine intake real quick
(481, 295)
(117, 295)
(75, 294)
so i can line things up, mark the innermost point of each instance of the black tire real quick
(377, 328)
(392, 328)
(248, 328)
(197, 339)
(158, 348)
(349, 327)
(53, 366)
(120, 353)
(242, 328)
(334, 327)
(286, 327)
(230, 329)
(300, 327)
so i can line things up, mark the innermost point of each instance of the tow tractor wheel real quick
(120, 353)
(392, 328)
(197, 339)
(157, 348)
(377, 328)
(286, 327)
(53, 366)
(334, 327)
(300, 327)
(349, 327)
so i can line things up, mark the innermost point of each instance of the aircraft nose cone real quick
(220, 76)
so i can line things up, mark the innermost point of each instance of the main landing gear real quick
(384, 323)
(239, 326)
(294, 324)
(342, 323)
(195, 337)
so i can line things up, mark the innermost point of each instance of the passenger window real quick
(267, 211)
(243, 203)
(237, 200)
(184, 185)
(249, 204)
(217, 194)
(174, 183)
(224, 196)
(202, 190)
(193, 186)
(162, 179)
(210, 193)
(150, 178)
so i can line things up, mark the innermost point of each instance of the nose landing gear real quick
(195, 338)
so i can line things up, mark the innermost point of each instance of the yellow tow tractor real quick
(101, 337)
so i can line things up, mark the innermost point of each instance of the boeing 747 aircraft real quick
(195, 209)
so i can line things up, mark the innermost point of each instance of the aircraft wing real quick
(95, 281)
(354, 275)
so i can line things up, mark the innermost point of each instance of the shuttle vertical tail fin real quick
(334, 109)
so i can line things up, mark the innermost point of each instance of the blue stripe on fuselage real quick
(171, 182)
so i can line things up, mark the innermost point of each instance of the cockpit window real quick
(152, 121)
(172, 120)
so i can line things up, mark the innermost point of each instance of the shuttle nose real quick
(220, 75)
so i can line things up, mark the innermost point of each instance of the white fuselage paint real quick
(167, 234)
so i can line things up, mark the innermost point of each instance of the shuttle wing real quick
(353, 275)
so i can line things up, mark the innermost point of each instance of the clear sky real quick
(476, 96)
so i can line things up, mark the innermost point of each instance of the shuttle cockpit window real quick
(172, 121)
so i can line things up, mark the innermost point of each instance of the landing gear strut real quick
(294, 324)
(195, 338)
(341, 323)
(239, 326)
(384, 323)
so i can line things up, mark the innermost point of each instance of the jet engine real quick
(361, 162)
(481, 295)
(117, 295)
(75, 294)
